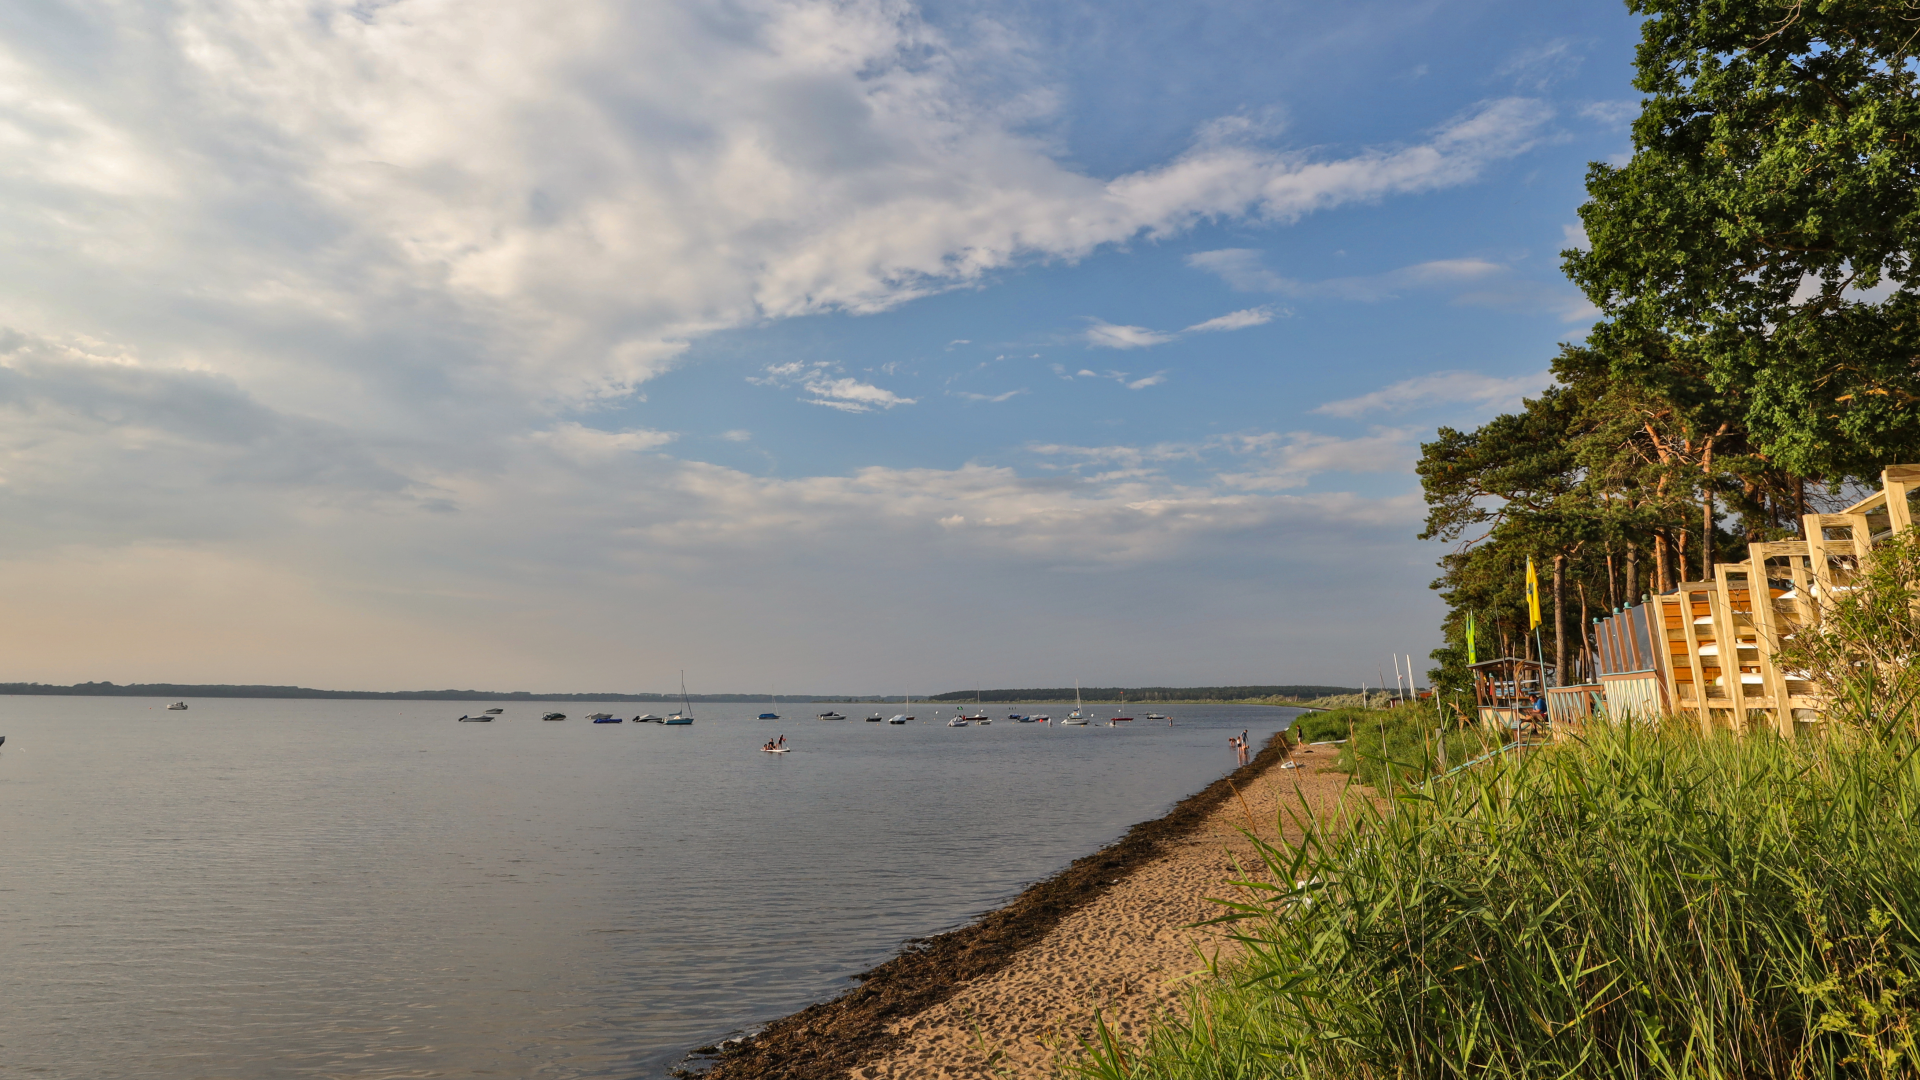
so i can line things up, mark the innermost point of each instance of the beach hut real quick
(1504, 690)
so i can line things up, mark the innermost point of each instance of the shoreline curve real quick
(828, 1039)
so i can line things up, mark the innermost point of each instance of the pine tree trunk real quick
(1661, 566)
(1706, 536)
(1633, 574)
(1560, 619)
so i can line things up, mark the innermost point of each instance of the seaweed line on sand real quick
(825, 1040)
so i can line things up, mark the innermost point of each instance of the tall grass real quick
(1647, 903)
(1395, 745)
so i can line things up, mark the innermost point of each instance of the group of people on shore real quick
(1240, 748)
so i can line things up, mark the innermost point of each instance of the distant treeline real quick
(1088, 693)
(191, 690)
(1152, 693)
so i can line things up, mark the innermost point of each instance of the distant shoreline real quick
(1145, 697)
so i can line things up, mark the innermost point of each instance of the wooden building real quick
(1706, 650)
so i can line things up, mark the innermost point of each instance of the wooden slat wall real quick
(1747, 608)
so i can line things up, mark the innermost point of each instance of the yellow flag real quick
(1533, 594)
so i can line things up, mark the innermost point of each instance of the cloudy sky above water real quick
(857, 345)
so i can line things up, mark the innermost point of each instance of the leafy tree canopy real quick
(1765, 232)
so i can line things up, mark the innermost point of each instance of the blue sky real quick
(862, 345)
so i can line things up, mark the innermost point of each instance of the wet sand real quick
(1010, 994)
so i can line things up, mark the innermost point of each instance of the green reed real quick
(1643, 903)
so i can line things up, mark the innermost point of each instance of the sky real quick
(806, 346)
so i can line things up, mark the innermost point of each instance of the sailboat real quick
(1075, 718)
(979, 714)
(1123, 708)
(773, 710)
(905, 716)
(685, 716)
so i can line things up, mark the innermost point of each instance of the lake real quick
(367, 889)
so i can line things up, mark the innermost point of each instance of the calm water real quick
(367, 889)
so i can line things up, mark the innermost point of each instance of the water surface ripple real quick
(367, 889)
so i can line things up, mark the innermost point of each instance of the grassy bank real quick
(1645, 904)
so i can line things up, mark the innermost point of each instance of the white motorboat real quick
(905, 717)
(830, 715)
(649, 718)
(1155, 716)
(495, 712)
(176, 706)
(958, 721)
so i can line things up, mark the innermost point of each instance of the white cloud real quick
(1241, 268)
(991, 398)
(1539, 66)
(1575, 237)
(1154, 379)
(1442, 388)
(1611, 113)
(1475, 282)
(1233, 320)
(817, 378)
(592, 444)
(1106, 335)
(570, 200)
(737, 435)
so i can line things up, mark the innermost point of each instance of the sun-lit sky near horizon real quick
(854, 346)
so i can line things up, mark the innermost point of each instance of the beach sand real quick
(1126, 953)
(1010, 993)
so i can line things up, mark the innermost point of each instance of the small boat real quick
(555, 716)
(476, 720)
(1015, 716)
(1037, 719)
(1074, 718)
(684, 717)
(983, 721)
(769, 716)
(875, 718)
(904, 717)
(829, 715)
(1121, 719)
(599, 716)
(773, 710)
(958, 721)
(603, 719)
(176, 706)
(1155, 716)
(495, 712)
(649, 718)
(979, 715)
(775, 750)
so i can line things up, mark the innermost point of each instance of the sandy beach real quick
(1013, 994)
(1126, 953)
